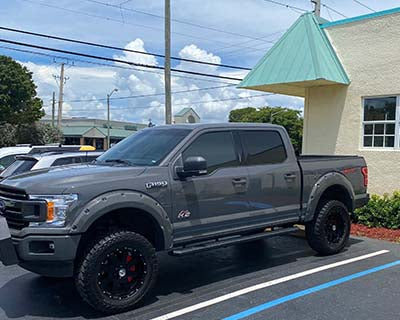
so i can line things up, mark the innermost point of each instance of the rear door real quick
(214, 201)
(274, 175)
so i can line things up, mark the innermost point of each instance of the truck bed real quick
(315, 166)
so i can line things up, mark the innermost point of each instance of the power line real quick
(175, 20)
(245, 42)
(286, 5)
(150, 95)
(182, 104)
(117, 60)
(337, 12)
(127, 23)
(118, 48)
(108, 65)
(364, 5)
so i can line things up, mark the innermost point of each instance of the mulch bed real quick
(376, 233)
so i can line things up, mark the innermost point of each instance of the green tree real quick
(7, 135)
(49, 134)
(288, 118)
(38, 134)
(18, 101)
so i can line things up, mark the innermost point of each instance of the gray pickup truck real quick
(181, 189)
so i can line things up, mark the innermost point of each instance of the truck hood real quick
(59, 179)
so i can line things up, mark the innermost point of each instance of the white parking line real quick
(263, 285)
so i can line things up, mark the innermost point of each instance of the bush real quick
(36, 133)
(7, 135)
(380, 212)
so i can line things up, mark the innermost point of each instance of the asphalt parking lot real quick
(277, 278)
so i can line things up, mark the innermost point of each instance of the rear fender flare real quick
(121, 199)
(326, 181)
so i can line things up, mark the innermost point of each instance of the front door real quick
(215, 201)
(274, 176)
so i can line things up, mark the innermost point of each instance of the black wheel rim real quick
(122, 273)
(335, 226)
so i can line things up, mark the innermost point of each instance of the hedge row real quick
(381, 211)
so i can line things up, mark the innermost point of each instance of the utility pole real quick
(317, 8)
(53, 109)
(272, 114)
(167, 63)
(60, 96)
(108, 116)
(108, 121)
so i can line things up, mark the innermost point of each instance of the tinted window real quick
(148, 147)
(62, 161)
(216, 147)
(7, 160)
(89, 158)
(19, 166)
(263, 147)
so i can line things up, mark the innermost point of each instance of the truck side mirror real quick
(192, 166)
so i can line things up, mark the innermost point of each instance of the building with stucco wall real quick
(347, 71)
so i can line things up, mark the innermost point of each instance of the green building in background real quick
(80, 130)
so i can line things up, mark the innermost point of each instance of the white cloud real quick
(94, 82)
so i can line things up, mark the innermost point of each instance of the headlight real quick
(57, 206)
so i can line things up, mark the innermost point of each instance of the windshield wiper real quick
(127, 162)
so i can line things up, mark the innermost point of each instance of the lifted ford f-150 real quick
(181, 189)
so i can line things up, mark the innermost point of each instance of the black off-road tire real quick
(87, 272)
(317, 231)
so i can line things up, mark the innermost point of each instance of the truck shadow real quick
(201, 274)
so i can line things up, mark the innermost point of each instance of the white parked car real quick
(7, 154)
(28, 162)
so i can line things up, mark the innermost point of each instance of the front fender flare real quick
(326, 181)
(111, 201)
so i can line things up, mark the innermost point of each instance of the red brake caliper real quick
(132, 268)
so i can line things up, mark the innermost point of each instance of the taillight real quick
(364, 171)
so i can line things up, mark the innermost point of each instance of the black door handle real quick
(239, 181)
(290, 176)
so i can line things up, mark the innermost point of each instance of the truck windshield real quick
(148, 147)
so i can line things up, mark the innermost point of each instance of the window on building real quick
(72, 141)
(263, 147)
(216, 147)
(380, 124)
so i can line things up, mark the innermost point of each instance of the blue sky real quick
(139, 25)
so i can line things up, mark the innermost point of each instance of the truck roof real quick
(194, 126)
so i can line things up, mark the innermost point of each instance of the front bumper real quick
(46, 254)
(8, 254)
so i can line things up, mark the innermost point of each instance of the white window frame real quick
(396, 123)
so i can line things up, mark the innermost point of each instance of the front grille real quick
(18, 210)
(13, 193)
(16, 223)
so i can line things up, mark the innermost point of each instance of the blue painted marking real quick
(359, 18)
(302, 293)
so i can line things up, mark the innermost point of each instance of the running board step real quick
(231, 241)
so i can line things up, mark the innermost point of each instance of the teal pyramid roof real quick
(303, 57)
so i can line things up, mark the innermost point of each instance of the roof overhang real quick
(302, 58)
(297, 89)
